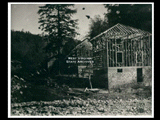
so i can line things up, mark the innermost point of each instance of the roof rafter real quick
(121, 31)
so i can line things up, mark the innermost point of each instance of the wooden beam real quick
(103, 57)
(128, 52)
(110, 53)
(132, 48)
(149, 51)
(107, 53)
(142, 50)
(135, 54)
(113, 54)
(116, 51)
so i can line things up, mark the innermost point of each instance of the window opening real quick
(119, 70)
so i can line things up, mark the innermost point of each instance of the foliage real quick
(97, 26)
(18, 86)
(66, 50)
(29, 65)
(27, 60)
(23, 90)
(27, 49)
(135, 15)
(55, 20)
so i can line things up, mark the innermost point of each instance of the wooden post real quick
(128, 51)
(134, 51)
(107, 53)
(107, 58)
(150, 56)
(103, 51)
(113, 54)
(116, 50)
(77, 74)
(147, 50)
(131, 54)
(142, 50)
(90, 80)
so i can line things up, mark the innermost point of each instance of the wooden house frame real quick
(121, 54)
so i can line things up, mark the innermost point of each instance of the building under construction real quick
(121, 54)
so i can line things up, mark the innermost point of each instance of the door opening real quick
(139, 75)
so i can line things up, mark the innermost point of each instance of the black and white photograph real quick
(80, 60)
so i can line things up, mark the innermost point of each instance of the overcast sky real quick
(24, 16)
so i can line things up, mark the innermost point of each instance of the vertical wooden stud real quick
(107, 53)
(115, 51)
(149, 60)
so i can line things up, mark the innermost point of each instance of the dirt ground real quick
(116, 102)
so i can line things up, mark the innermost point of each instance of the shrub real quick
(17, 87)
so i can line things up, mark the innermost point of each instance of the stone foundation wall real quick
(116, 79)
(127, 75)
(147, 76)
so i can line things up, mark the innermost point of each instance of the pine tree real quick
(56, 21)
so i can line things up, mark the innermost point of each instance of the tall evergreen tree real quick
(56, 20)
